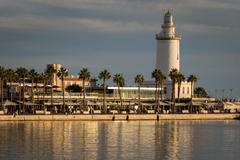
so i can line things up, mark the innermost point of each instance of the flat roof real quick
(134, 88)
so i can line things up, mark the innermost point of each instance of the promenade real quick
(119, 117)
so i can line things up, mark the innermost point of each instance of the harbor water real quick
(116, 140)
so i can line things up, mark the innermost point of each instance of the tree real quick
(179, 79)
(11, 77)
(193, 79)
(44, 79)
(2, 75)
(173, 75)
(49, 72)
(159, 78)
(37, 80)
(84, 74)
(162, 79)
(200, 92)
(104, 76)
(62, 73)
(120, 82)
(22, 74)
(32, 76)
(139, 79)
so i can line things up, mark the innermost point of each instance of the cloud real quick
(148, 4)
(37, 22)
(112, 15)
(203, 28)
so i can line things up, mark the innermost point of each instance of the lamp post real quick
(216, 92)
(223, 90)
(230, 97)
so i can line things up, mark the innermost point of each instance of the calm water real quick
(120, 140)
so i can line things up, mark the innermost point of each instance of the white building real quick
(168, 50)
(168, 57)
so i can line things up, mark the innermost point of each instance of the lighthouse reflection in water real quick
(120, 140)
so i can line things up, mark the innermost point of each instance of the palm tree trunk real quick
(191, 90)
(37, 91)
(191, 97)
(32, 92)
(84, 104)
(161, 95)
(8, 91)
(120, 96)
(179, 88)
(63, 94)
(44, 92)
(161, 91)
(156, 90)
(139, 96)
(104, 97)
(20, 92)
(1, 92)
(158, 96)
(173, 96)
(23, 95)
(11, 97)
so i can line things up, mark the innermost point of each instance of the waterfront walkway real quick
(119, 117)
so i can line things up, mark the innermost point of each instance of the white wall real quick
(168, 55)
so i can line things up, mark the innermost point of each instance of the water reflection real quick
(120, 140)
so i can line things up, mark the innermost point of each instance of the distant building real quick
(68, 81)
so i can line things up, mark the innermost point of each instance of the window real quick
(183, 90)
(187, 90)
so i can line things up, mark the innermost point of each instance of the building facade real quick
(68, 81)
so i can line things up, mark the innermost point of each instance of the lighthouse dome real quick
(168, 18)
(168, 14)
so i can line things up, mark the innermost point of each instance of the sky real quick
(119, 35)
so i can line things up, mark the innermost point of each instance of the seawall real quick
(119, 117)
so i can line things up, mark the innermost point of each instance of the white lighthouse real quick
(168, 52)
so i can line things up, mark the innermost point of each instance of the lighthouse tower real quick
(168, 52)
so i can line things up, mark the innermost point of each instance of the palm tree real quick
(193, 79)
(2, 75)
(32, 76)
(104, 76)
(139, 79)
(43, 78)
(37, 80)
(50, 71)
(22, 74)
(162, 79)
(11, 76)
(62, 73)
(179, 79)
(120, 82)
(173, 75)
(84, 74)
(157, 74)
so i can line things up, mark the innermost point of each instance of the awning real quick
(61, 103)
(177, 104)
(27, 103)
(9, 103)
(181, 104)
